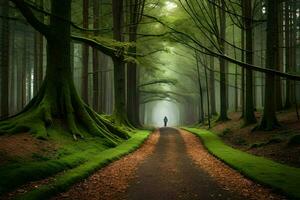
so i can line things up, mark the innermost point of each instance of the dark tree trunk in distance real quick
(4, 60)
(269, 120)
(85, 55)
(249, 117)
(223, 89)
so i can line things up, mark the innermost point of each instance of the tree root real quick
(66, 107)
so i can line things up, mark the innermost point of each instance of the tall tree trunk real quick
(293, 66)
(24, 70)
(236, 101)
(269, 120)
(120, 114)
(4, 60)
(85, 55)
(287, 54)
(223, 89)
(279, 57)
(96, 12)
(135, 7)
(249, 117)
(243, 73)
(212, 86)
(207, 94)
(38, 54)
(201, 103)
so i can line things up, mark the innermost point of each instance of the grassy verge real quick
(70, 154)
(281, 177)
(64, 181)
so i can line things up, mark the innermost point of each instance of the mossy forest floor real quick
(281, 145)
(32, 168)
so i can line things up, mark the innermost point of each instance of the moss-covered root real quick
(65, 106)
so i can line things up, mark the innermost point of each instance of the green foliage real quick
(281, 177)
(63, 181)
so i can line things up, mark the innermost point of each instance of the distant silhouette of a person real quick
(166, 121)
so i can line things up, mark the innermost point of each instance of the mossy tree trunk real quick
(120, 114)
(57, 98)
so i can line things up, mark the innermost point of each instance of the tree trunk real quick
(236, 101)
(243, 74)
(293, 66)
(201, 104)
(288, 103)
(279, 57)
(269, 119)
(223, 90)
(4, 61)
(207, 95)
(96, 12)
(212, 86)
(38, 54)
(249, 117)
(120, 114)
(85, 55)
(133, 103)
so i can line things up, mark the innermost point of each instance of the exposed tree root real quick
(66, 106)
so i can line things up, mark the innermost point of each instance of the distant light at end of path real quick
(170, 5)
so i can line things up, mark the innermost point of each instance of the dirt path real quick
(172, 164)
(170, 174)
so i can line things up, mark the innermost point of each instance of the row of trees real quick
(227, 39)
(278, 22)
(56, 97)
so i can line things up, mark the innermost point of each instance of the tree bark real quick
(278, 82)
(249, 117)
(120, 114)
(223, 89)
(269, 120)
(201, 104)
(85, 55)
(288, 103)
(96, 12)
(212, 86)
(4, 61)
(133, 103)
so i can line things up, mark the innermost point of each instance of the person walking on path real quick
(166, 121)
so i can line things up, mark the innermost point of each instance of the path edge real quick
(63, 182)
(279, 188)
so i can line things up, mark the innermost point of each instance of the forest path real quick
(169, 173)
(171, 164)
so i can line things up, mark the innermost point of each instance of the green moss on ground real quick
(63, 181)
(284, 178)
